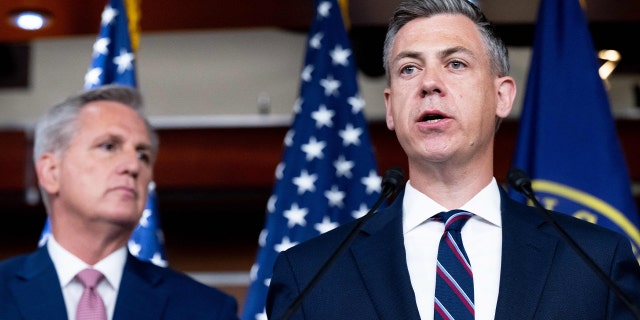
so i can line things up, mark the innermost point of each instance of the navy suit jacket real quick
(541, 276)
(30, 289)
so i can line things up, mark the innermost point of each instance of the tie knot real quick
(90, 277)
(454, 219)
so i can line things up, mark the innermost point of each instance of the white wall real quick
(208, 74)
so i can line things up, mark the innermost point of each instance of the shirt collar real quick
(68, 265)
(418, 207)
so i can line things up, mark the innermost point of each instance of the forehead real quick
(441, 30)
(113, 117)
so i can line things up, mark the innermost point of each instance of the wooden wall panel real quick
(222, 157)
(13, 152)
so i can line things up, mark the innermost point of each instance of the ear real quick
(506, 96)
(48, 171)
(387, 105)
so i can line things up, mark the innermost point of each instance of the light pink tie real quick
(91, 306)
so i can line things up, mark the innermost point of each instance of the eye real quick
(145, 156)
(456, 65)
(108, 146)
(409, 69)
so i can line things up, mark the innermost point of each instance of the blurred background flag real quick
(328, 172)
(113, 62)
(113, 54)
(568, 142)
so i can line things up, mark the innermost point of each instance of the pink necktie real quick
(91, 306)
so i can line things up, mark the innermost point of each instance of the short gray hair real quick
(54, 131)
(413, 9)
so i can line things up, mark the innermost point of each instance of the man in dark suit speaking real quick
(94, 156)
(447, 90)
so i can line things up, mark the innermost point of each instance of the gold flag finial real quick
(344, 9)
(133, 16)
(583, 4)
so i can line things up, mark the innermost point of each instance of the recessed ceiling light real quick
(30, 19)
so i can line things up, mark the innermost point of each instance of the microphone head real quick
(392, 181)
(519, 180)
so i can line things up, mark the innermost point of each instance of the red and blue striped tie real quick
(454, 279)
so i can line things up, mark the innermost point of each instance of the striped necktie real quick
(454, 279)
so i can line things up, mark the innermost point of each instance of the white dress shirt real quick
(482, 239)
(67, 266)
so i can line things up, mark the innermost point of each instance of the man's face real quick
(104, 174)
(443, 98)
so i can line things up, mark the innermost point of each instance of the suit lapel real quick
(380, 256)
(527, 257)
(37, 289)
(139, 296)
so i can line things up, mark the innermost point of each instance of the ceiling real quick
(73, 17)
(515, 19)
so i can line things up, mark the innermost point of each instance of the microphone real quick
(521, 182)
(391, 184)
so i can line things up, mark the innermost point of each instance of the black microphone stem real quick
(390, 185)
(525, 188)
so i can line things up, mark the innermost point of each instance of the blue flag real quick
(568, 141)
(113, 56)
(113, 63)
(328, 173)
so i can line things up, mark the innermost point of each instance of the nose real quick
(130, 163)
(431, 82)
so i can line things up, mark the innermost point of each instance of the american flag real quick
(113, 56)
(113, 63)
(328, 173)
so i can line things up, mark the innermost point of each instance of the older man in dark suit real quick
(94, 156)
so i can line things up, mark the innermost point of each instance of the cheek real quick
(76, 182)
(146, 174)
(145, 177)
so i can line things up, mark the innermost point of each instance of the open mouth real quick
(431, 118)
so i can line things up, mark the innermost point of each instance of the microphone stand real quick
(391, 183)
(519, 180)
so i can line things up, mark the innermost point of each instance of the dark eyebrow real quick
(114, 138)
(458, 49)
(407, 54)
(117, 138)
(144, 147)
